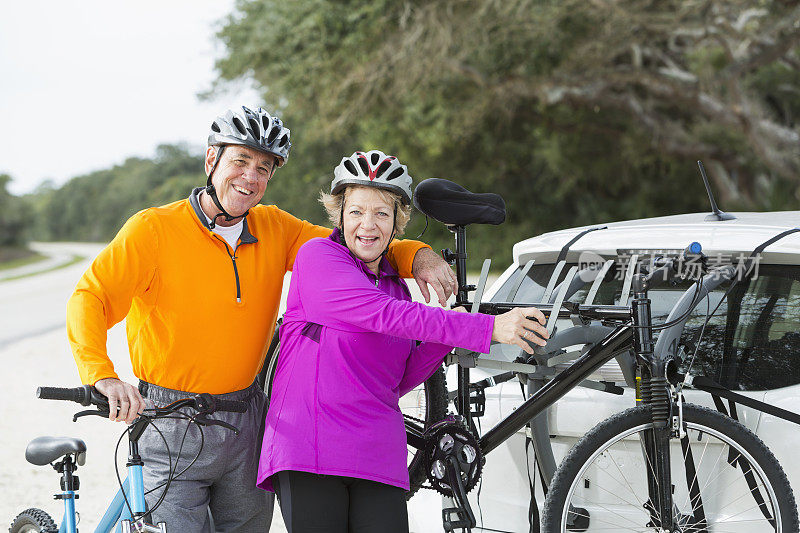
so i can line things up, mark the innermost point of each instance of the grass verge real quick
(17, 257)
(72, 261)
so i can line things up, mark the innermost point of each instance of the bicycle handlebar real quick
(88, 395)
(81, 395)
(210, 404)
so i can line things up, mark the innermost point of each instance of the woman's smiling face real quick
(367, 223)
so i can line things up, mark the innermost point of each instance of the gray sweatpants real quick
(222, 479)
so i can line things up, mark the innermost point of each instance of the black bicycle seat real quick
(453, 205)
(44, 450)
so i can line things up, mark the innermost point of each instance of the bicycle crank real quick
(453, 462)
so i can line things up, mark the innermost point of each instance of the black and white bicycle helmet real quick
(256, 129)
(373, 169)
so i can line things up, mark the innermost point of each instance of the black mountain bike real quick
(663, 466)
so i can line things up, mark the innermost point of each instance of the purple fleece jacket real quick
(348, 353)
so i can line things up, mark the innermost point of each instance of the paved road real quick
(35, 305)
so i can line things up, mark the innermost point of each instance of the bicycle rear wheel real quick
(422, 407)
(724, 479)
(267, 373)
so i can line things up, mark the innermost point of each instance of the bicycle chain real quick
(409, 417)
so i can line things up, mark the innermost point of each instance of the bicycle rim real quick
(612, 486)
(422, 407)
(415, 405)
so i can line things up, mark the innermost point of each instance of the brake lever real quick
(202, 420)
(91, 412)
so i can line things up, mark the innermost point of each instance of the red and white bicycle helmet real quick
(373, 169)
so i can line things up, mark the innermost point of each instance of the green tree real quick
(576, 112)
(93, 207)
(12, 216)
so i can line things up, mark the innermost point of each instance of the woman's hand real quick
(519, 327)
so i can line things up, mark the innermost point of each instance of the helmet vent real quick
(215, 127)
(239, 126)
(254, 126)
(283, 141)
(375, 159)
(265, 122)
(272, 134)
(351, 168)
(382, 168)
(362, 162)
(395, 174)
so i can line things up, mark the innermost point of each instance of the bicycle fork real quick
(655, 393)
(656, 449)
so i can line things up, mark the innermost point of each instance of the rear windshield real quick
(752, 342)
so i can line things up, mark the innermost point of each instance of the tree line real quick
(575, 112)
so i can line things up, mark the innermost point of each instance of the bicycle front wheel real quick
(723, 479)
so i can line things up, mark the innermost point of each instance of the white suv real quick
(751, 345)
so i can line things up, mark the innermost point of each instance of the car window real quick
(752, 342)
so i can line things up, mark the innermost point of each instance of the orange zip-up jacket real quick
(199, 317)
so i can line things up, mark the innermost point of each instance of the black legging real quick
(333, 504)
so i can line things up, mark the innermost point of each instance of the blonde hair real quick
(333, 204)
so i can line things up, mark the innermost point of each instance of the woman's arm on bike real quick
(335, 292)
(510, 328)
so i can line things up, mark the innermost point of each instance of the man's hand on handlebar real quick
(520, 327)
(124, 401)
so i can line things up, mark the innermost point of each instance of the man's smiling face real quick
(241, 176)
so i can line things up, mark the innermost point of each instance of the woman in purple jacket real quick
(334, 446)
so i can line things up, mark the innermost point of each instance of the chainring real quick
(451, 438)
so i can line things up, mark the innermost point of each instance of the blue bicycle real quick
(128, 510)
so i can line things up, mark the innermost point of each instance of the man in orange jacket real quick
(199, 283)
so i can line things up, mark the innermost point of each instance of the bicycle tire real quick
(586, 490)
(435, 409)
(267, 374)
(427, 402)
(33, 521)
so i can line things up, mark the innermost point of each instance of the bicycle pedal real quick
(477, 401)
(461, 522)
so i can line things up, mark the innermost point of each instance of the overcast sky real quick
(86, 84)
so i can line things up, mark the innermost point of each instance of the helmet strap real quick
(391, 237)
(212, 192)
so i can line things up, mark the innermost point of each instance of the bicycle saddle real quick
(44, 450)
(453, 205)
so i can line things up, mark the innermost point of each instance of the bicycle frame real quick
(635, 335)
(118, 511)
(619, 340)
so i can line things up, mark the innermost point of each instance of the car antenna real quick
(716, 214)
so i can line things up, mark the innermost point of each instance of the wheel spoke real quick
(694, 480)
